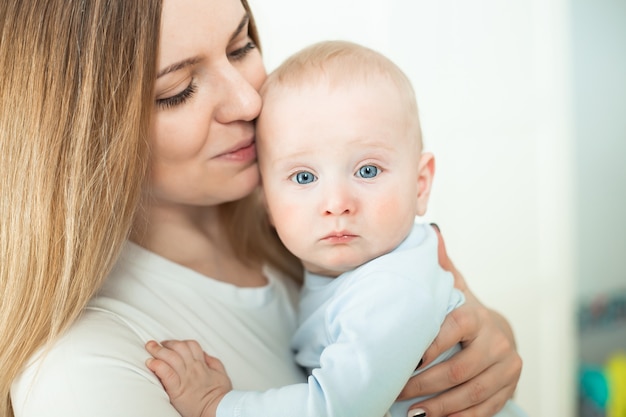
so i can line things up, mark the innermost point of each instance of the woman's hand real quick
(483, 375)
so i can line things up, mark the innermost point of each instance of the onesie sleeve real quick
(378, 328)
(96, 369)
(378, 338)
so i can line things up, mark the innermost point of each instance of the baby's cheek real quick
(395, 214)
(388, 205)
(289, 225)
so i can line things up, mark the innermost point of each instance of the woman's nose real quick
(239, 99)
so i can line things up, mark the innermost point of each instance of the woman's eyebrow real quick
(178, 65)
(242, 24)
(194, 60)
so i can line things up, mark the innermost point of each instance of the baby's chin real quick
(330, 270)
(342, 258)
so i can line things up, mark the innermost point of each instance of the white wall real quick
(492, 80)
(599, 56)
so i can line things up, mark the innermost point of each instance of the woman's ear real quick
(425, 175)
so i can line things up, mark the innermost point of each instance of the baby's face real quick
(339, 170)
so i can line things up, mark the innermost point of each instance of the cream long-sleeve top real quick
(97, 368)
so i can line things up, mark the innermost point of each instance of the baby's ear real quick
(425, 175)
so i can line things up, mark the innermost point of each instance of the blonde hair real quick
(343, 63)
(76, 93)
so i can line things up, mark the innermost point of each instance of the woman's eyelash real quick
(183, 96)
(242, 52)
(180, 98)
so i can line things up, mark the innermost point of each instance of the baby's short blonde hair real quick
(341, 63)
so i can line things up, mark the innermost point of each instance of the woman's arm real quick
(480, 378)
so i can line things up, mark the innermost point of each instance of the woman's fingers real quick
(450, 373)
(446, 263)
(460, 325)
(478, 380)
(444, 259)
(480, 395)
(449, 403)
(483, 376)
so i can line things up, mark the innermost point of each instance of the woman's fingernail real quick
(417, 412)
(436, 227)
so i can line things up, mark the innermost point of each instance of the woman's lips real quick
(243, 153)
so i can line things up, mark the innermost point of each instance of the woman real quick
(134, 121)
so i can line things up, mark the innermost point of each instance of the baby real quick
(344, 176)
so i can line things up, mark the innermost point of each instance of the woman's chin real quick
(244, 183)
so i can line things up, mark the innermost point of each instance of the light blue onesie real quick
(361, 335)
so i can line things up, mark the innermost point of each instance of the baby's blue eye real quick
(303, 177)
(368, 171)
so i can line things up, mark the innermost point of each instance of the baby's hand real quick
(194, 381)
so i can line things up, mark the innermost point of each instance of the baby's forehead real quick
(374, 91)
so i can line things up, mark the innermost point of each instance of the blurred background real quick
(523, 103)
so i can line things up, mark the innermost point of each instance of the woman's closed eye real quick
(178, 99)
(240, 53)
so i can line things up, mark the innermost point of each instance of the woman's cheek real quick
(255, 73)
(177, 136)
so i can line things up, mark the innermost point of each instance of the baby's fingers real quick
(167, 375)
(214, 363)
(189, 350)
(165, 354)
